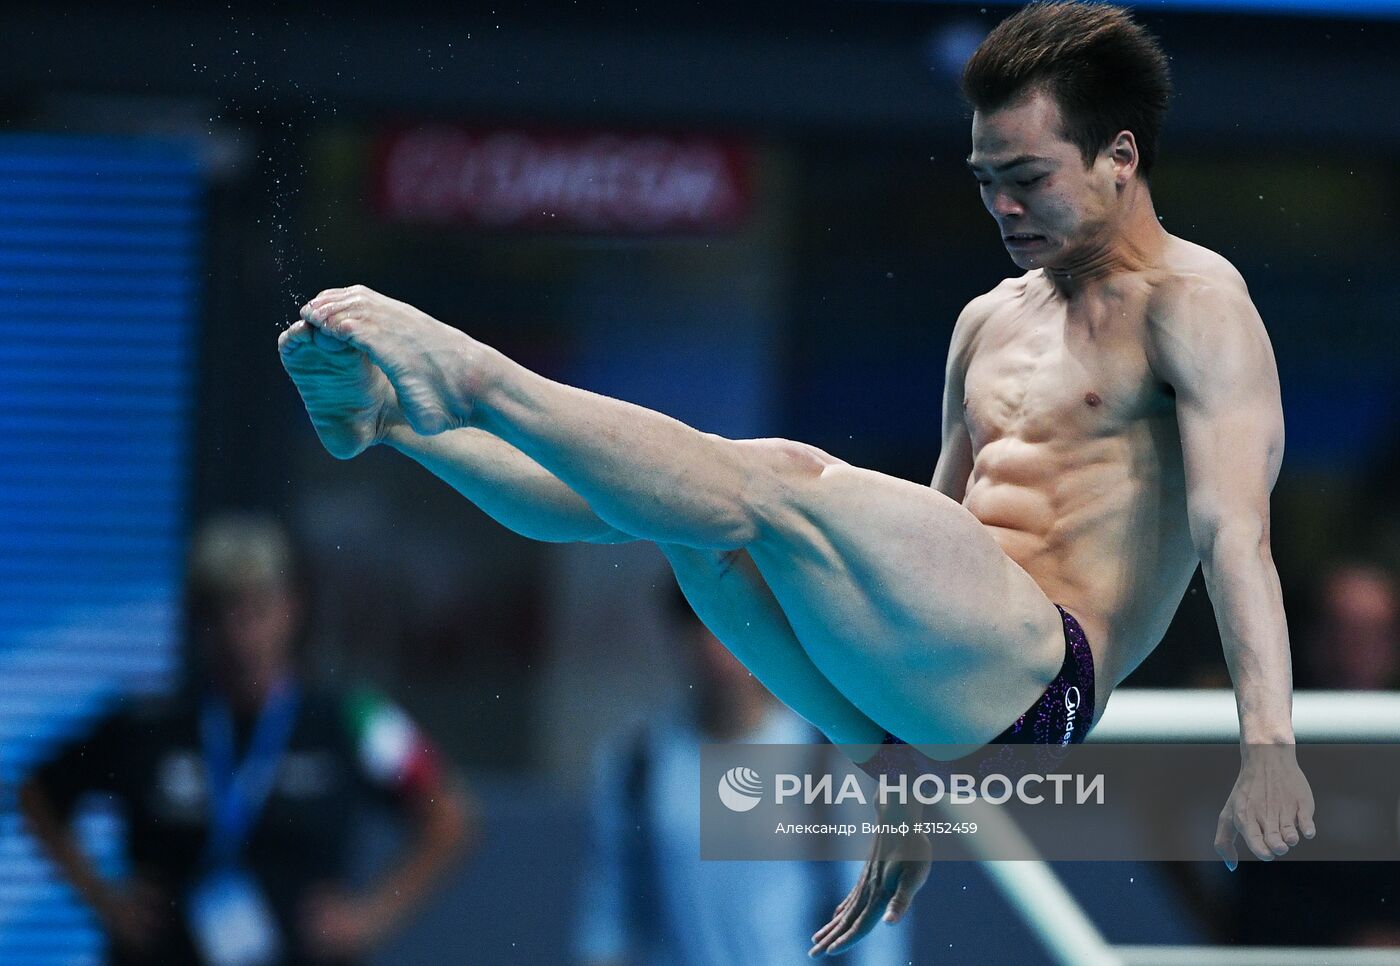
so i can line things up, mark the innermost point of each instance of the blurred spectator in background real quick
(1353, 640)
(239, 791)
(1351, 643)
(647, 898)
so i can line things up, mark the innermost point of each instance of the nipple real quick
(1092, 398)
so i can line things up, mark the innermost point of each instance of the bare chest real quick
(1043, 373)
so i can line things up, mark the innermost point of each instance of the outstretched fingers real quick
(860, 920)
(838, 919)
(838, 916)
(910, 882)
(855, 916)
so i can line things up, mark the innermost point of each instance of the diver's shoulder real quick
(973, 318)
(1197, 294)
(1189, 273)
(1007, 290)
(1191, 268)
(1016, 286)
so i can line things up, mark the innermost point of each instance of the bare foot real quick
(431, 366)
(349, 400)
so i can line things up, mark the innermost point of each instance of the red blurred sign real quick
(629, 183)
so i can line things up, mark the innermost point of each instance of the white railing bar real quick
(1183, 715)
(1033, 890)
(1255, 956)
(1142, 714)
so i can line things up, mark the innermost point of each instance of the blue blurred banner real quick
(99, 276)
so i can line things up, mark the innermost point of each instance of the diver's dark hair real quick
(1106, 73)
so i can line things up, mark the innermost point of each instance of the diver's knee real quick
(786, 457)
(783, 478)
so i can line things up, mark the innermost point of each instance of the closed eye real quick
(1027, 183)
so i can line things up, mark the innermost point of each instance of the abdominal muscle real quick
(1100, 525)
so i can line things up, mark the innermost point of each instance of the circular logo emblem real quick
(740, 789)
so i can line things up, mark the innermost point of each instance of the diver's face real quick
(1047, 205)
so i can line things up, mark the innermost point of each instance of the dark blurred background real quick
(789, 236)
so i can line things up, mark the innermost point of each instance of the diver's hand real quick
(885, 890)
(1271, 805)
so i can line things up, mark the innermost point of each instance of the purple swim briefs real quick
(1065, 712)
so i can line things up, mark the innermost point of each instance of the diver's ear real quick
(1123, 152)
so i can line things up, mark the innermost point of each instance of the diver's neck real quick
(1136, 242)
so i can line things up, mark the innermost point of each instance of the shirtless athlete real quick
(1111, 419)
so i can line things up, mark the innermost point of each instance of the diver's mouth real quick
(1022, 239)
